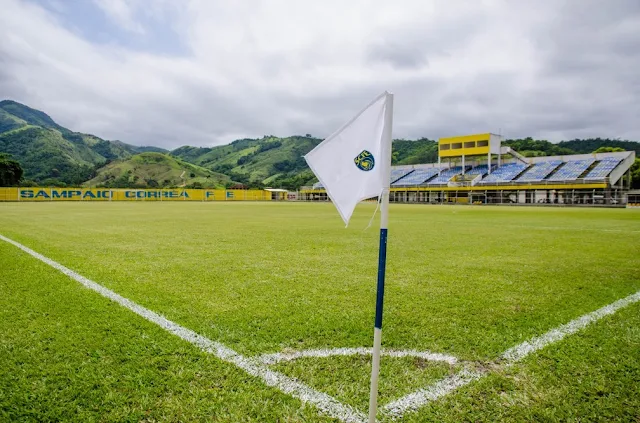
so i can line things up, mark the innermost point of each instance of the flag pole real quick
(382, 256)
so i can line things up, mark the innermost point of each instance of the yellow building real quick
(463, 147)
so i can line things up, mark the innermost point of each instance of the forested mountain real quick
(53, 155)
(592, 144)
(530, 147)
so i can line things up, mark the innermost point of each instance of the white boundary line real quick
(306, 394)
(520, 351)
(326, 403)
(564, 228)
(323, 353)
(421, 397)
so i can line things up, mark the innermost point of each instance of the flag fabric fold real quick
(351, 163)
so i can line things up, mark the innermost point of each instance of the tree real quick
(195, 185)
(531, 148)
(223, 168)
(242, 160)
(609, 150)
(284, 166)
(10, 171)
(583, 146)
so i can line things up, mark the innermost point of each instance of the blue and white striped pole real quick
(382, 258)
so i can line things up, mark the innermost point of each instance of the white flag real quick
(354, 163)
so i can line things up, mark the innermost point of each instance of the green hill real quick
(257, 162)
(156, 170)
(52, 154)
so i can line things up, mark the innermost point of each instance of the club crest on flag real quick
(365, 161)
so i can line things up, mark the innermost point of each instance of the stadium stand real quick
(585, 179)
(417, 177)
(399, 173)
(597, 179)
(505, 173)
(571, 170)
(539, 171)
(446, 175)
(604, 168)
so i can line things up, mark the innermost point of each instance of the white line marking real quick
(421, 397)
(324, 402)
(322, 353)
(519, 352)
(570, 229)
(306, 394)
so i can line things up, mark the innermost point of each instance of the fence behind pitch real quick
(106, 194)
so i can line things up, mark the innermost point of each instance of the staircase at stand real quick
(539, 171)
(589, 169)
(505, 173)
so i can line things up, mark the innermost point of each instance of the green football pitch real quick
(291, 292)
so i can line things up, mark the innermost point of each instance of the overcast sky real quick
(206, 72)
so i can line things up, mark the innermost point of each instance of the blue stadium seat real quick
(504, 173)
(604, 168)
(571, 170)
(417, 177)
(540, 170)
(399, 173)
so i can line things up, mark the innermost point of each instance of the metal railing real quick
(508, 183)
(580, 181)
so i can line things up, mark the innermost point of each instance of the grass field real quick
(469, 282)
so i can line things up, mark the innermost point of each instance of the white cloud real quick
(539, 68)
(121, 13)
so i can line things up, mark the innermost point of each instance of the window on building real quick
(483, 143)
(470, 144)
(456, 146)
(445, 146)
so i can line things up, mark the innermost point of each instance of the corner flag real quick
(354, 164)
